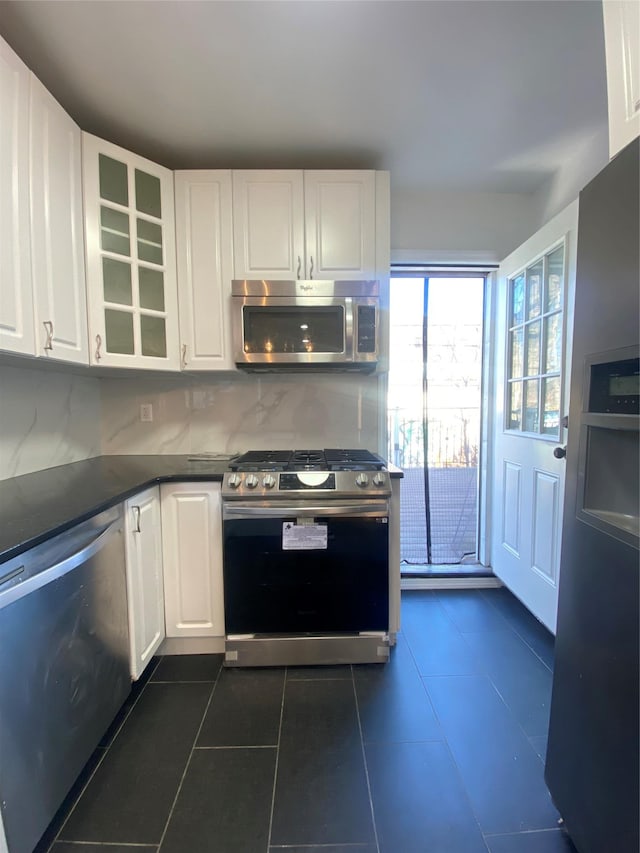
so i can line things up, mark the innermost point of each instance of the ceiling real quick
(470, 95)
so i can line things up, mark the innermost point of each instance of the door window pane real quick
(555, 274)
(534, 290)
(514, 406)
(531, 405)
(533, 349)
(148, 198)
(117, 281)
(553, 345)
(113, 180)
(551, 406)
(517, 353)
(151, 288)
(516, 312)
(153, 336)
(119, 331)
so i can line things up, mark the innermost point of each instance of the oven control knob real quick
(379, 479)
(234, 480)
(362, 480)
(252, 481)
(268, 481)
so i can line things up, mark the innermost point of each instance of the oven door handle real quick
(373, 509)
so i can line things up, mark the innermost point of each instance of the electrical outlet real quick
(146, 412)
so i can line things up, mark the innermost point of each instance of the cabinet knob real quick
(560, 452)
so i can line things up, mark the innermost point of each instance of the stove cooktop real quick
(333, 459)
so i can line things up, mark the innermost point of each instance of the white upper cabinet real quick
(622, 43)
(204, 249)
(130, 256)
(340, 224)
(302, 225)
(16, 295)
(57, 246)
(268, 225)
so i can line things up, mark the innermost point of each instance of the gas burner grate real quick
(340, 459)
(262, 460)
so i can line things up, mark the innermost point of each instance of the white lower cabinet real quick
(144, 577)
(192, 552)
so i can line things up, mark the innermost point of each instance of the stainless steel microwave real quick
(326, 325)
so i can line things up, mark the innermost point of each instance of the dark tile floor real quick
(439, 751)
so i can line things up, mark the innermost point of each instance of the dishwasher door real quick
(64, 667)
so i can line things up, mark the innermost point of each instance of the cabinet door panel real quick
(16, 299)
(57, 230)
(192, 553)
(129, 222)
(204, 252)
(340, 224)
(145, 588)
(268, 231)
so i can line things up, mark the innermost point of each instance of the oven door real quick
(298, 568)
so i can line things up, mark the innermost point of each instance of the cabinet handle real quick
(98, 345)
(184, 356)
(299, 266)
(136, 515)
(48, 327)
(311, 267)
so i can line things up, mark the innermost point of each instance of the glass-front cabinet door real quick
(131, 271)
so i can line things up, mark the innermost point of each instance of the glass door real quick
(434, 415)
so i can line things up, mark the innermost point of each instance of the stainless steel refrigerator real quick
(592, 764)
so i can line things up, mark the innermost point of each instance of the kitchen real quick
(54, 417)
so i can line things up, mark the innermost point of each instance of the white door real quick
(533, 322)
(16, 296)
(204, 254)
(340, 224)
(268, 224)
(57, 242)
(192, 557)
(145, 590)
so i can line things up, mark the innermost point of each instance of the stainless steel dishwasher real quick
(64, 667)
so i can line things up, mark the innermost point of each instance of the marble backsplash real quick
(233, 413)
(50, 417)
(47, 418)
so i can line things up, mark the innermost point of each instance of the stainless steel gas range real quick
(306, 567)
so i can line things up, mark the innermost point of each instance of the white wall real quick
(591, 155)
(458, 226)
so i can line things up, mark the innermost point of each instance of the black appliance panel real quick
(341, 589)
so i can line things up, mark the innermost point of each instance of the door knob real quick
(559, 452)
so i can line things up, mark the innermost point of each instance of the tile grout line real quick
(102, 758)
(364, 760)
(275, 769)
(188, 762)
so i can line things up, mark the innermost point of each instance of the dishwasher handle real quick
(51, 573)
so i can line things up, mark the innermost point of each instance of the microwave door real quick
(294, 331)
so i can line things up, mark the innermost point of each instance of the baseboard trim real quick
(450, 583)
(191, 646)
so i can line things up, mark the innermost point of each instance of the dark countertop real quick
(35, 507)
